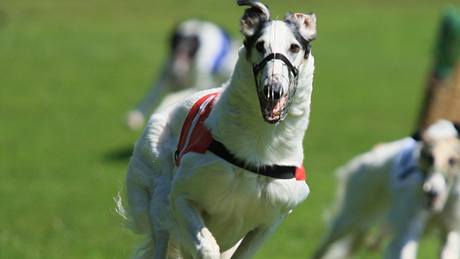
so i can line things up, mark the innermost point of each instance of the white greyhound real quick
(202, 56)
(213, 176)
(403, 185)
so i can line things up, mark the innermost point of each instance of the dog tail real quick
(119, 208)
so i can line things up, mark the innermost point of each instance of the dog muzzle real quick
(274, 99)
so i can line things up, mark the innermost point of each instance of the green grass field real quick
(69, 70)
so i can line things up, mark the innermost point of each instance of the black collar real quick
(274, 171)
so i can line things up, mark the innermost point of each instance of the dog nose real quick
(432, 194)
(273, 91)
(429, 191)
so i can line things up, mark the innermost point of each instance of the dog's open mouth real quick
(274, 109)
(434, 204)
(431, 202)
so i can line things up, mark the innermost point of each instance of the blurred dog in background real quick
(404, 185)
(202, 56)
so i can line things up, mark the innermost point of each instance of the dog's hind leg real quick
(357, 239)
(344, 247)
(348, 228)
(341, 240)
(408, 227)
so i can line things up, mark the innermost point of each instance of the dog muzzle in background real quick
(273, 98)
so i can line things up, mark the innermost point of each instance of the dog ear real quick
(253, 17)
(457, 128)
(417, 135)
(306, 24)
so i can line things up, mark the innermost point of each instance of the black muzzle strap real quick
(272, 56)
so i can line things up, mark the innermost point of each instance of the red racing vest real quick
(195, 137)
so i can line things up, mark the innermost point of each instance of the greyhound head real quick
(440, 163)
(276, 49)
(185, 42)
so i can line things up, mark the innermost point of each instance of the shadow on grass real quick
(121, 154)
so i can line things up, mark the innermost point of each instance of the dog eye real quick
(260, 47)
(427, 159)
(294, 48)
(452, 161)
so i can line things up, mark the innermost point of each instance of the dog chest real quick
(250, 203)
(210, 179)
(234, 201)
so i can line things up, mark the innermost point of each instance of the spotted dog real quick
(403, 186)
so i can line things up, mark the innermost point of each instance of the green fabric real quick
(448, 46)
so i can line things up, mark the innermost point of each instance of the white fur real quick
(441, 129)
(374, 192)
(206, 207)
(308, 31)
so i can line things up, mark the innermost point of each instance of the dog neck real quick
(237, 121)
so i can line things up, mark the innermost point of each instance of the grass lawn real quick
(69, 70)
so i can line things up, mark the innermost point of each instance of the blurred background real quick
(70, 70)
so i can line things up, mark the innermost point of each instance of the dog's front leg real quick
(193, 234)
(404, 245)
(160, 217)
(254, 239)
(451, 246)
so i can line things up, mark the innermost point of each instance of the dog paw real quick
(208, 249)
(211, 253)
(135, 120)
